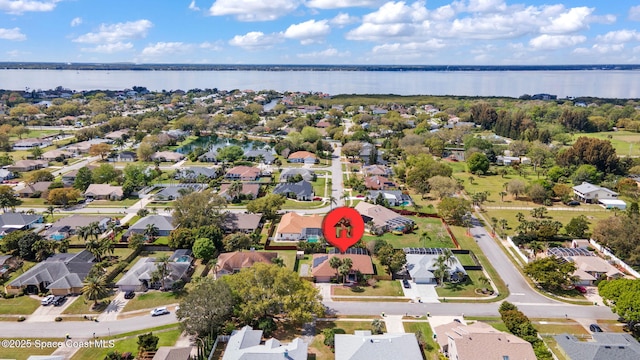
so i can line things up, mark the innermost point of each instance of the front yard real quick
(150, 300)
(21, 305)
(382, 288)
(465, 289)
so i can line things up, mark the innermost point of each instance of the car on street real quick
(159, 311)
(129, 295)
(573, 203)
(406, 284)
(595, 328)
(59, 300)
(48, 300)
(581, 289)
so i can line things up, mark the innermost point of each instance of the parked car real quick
(159, 311)
(573, 203)
(48, 300)
(129, 295)
(59, 300)
(581, 289)
(406, 284)
(595, 328)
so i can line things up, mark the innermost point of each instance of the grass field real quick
(382, 288)
(150, 300)
(466, 289)
(167, 337)
(23, 353)
(21, 305)
(431, 347)
(439, 236)
(82, 306)
(562, 216)
(626, 143)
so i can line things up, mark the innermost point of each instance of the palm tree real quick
(235, 189)
(536, 247)
(494, 223)
(345, 268)
(425, 237)
(333, 201)
(520, 216)
(95, 288)
(278, 261)
(94, 230)
(83, 233)
(484, 280)
(107, 246)
(503, 223)
(151, 231)
(502, 195)
(376, 327)
(335, 264)
(162, 270)
(441, 269)
(95, 248)
(50, 210)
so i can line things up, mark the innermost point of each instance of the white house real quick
(590, 193)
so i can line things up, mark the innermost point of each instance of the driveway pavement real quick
(394, 324)
(114, 308)
(50, 312)
(425, 293)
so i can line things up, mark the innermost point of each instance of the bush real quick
(21, 319)
(58, 319)
(330, 336)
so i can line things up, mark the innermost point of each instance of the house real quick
(12, 221)
(244, 344)
(28, 144)
(392, 197)
(302, 157)
(141, 276)
(507, 160)
(6, 175)
(323, 272)
(28, 165)
(605, 345)
(590, 193)
(264, 156)
(182, 255)
(301, 191)
(591, 268)
(613, 204)
(240, 222)
(56, 155)
(422, 267)
(61, 274)
(118, 134)
(167, 156)
(209, 156)
(383, 219)
(243, 173)
(8, 263)
(65, 227)
(289, 173)
(378, 182)
(293, 227)
(84, 146)
(104, 192)
(381, 170)
(249, 191)
(362, 345)
(173, 353)
(163, 223)
(464, 342)
(196, 172)
(34, 190)
(173, 192)
(124, 156)
(233, 262)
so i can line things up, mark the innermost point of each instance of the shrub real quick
(58, 319)
(21, 319)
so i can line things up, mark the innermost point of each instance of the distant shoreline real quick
(231, 67)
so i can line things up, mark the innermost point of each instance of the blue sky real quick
(486, 32)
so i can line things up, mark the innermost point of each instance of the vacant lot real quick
(626, 143)
(439, 238)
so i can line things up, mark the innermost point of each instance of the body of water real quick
(596, 83)
(214, 143)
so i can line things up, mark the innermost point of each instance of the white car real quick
(159, 311)
(48, 300)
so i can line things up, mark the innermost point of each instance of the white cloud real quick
(395, 12)
(619, 36)
(308, 32)
(254, 40)
(164, 48)
(634, 13)
(429, 45)
(570, 21)
(110, 48)
(210, 46)
(254, 10)
(335, 4)
(17, 53)
(76, 21)
(114, 33)
(327, 53)
(22, 6)
(193, 6)
(12, 34)
(443, 13)
(343, 19)
(393, 19)
(553, 42)
(482, 6)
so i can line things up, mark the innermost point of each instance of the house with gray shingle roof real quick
(62, 274)
(104, 192)
(302, 190)
(11, 221)
(393, 197)
(266, 157)
(244, 344)
(362, 345)
(606, 345)
(590, 193)
(141, 276)
(288, 173)
(193, 172)
(173, 192)
(164, 224)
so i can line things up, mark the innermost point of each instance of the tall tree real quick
(268, 205)
(162, 271)
(335, 263)
(551, 273)
(83, 179)
(94, 289)
(211, 303)
(198, 209)
(8, 199)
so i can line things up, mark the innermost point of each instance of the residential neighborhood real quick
(199, 218)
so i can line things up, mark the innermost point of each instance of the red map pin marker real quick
(343, 227)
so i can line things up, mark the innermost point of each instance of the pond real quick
(215, 143)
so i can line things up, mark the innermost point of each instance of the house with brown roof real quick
(167, 156)
(240, 222)
(233, 262)
(84, 146)
(480, 341)
(104, 192)
(382, 219)
(302, 157)
(378, 182)
(294, 227)
(249, 191)
(118, 134)
(372, 170)
(28, 165)
(243, 173)
(323, 272)
(56, 154)
(34, 190)
(591, 268)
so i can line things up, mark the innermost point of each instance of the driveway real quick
(114, 308)
(50, 312)
(425, 293)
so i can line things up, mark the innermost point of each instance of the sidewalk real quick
(394, 324)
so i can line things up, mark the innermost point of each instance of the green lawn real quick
(625, 142)
(466, 289)
(301, 205)
(348, 326)
(288, 256)
(150, 300)
(433, 226)
(495, 322)
(108, 203)
(568, 326)
(382, 288)
(318, 186)
(431, 347)
(465, 259)
(563, 216)
(21, 305)
(82, 306)
(23, 353)
(129, 344)
(552, 344)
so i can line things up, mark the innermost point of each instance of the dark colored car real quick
(595, 328)
(406, 284)
(129, 295)
(573, 203)
(59, 300)
(581, 289)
